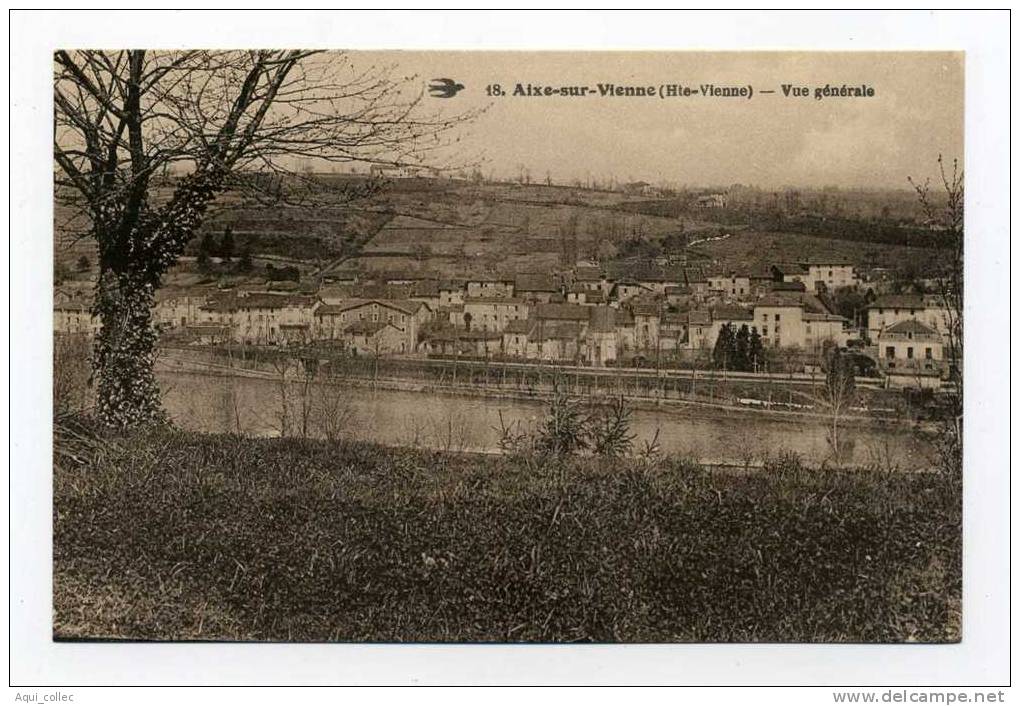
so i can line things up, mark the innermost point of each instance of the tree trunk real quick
(124, 349)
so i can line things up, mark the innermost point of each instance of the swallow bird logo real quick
(444, 88)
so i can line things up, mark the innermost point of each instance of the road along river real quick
(263, 407)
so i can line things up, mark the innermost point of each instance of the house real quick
(489, 286)
(696, 281)
(493, 313)
(711, 201)
(458, 342)
(646, 326)
(678, 295)
(407, 316)
(760, 283)
(590, 278)
(890, 309)
(731, 285)
(627, 289)
(367, 337)
(562, 312)
(262, 318)
(832, 272)
(626, 336)
(400, 277)
(452, 314)
(553, 339)
(673, 330)
(516, 335)
(820, 327)
(339, 293)
(792, 272)
(178, 311)
(207, 334)
(800, 320)
(451, 292)
(699, 330)
(910, 353)
(536, 287)
(578, 294)
(645, 275)
(74, 317)
(481, 343)
(600, 338)
(426, 291)
(734, 316)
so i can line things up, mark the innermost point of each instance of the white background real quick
(981, 659)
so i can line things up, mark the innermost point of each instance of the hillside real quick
(450, 228)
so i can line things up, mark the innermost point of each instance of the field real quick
(453, 228)
(755, 251)
(171, 535)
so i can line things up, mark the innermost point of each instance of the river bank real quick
(397, 413)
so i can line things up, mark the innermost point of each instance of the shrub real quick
(609, 429)
(783, 464)
(72, 371)
(563, 431)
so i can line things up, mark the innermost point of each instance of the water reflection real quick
(462, 423)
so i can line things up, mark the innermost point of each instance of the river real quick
(213, 403)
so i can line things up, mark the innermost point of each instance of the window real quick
(910, 351)
(927, 353)
(890, 352)
(777, 317)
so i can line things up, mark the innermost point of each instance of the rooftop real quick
(493, 300)
(732, 313)
(898, 301)
(790, 268)
(911, 326)
(406, 306)
(562, 312)
(535, 282)
(366, 327)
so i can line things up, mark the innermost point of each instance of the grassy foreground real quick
(172, 535)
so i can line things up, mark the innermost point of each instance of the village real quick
(629, 314)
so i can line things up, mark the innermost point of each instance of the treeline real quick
(855, 229)
(858, 229)
(738, 349)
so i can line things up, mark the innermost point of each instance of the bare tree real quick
(838, 396)
(281, 365)
(946, 218)
(144, 142)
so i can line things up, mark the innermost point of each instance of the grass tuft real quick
(163, 534)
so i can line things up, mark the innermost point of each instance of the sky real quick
(769, 140)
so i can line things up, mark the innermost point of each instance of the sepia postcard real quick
(508, 346)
